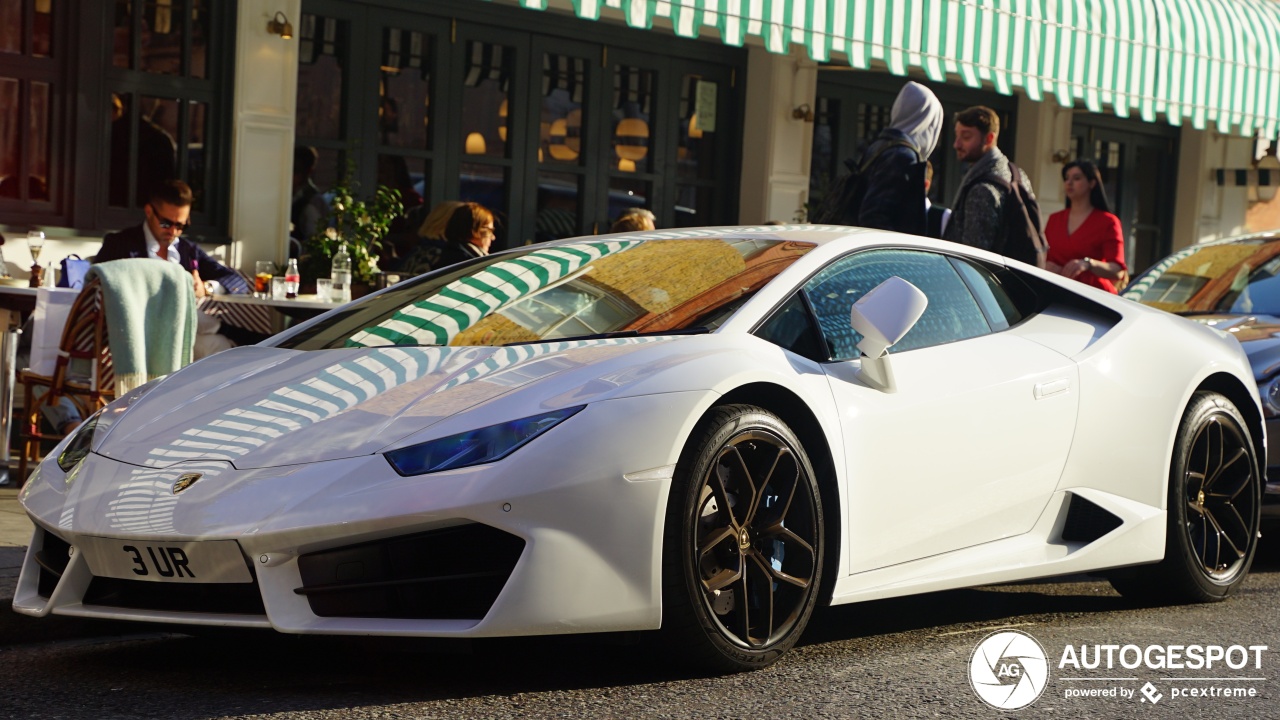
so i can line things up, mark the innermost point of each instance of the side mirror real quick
(883, 317)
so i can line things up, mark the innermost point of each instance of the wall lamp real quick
(279, 25)
(803, 112)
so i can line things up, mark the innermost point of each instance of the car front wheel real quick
(744, 542)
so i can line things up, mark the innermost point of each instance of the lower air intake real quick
(453, 574)
(1087, 521)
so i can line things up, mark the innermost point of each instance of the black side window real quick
(1000, 309)
(952, 313)
(793, 327)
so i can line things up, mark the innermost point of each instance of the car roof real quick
(817, 234)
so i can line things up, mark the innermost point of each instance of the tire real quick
(743, 545)
(1215, 497)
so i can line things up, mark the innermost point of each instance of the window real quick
(160, 95)
(30, 87)
(952, 313)
(1000, 309)
(792, 328)
(143, 98)
(557, 129)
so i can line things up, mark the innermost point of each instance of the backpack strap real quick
(1011, 191)
(897, 142)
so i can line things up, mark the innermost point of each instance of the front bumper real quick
(587, 540)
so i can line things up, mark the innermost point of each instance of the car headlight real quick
(91, 432)
(474, 447)
(79, 443)
(1269, 391)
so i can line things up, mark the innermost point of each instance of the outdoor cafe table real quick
(14, 302)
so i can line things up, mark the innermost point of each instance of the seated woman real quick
(468, 234)
(1085, 240)
(429, 243)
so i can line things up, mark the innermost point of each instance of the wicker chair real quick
(83, 373)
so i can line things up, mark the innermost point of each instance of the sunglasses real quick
(166, 223)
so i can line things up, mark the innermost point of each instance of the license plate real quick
(210, 561)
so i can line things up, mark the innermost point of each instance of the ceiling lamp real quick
(559, 144)
(632, 136)
(502, 121)
(695, 132)
(475, 144)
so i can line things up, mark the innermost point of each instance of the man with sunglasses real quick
(168, 212)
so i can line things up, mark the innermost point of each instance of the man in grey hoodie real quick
(977, 213)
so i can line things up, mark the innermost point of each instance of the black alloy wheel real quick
(744, 542)
(1220, 492)
(1215, 499)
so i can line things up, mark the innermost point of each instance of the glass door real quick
(1138, 171)
(564, 157)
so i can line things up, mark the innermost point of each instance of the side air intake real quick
(1087, 521)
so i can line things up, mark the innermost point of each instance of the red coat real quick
(1098, 237)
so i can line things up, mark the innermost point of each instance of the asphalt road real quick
(904, 658)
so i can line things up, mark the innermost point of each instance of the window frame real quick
(52, 70)
(85, 77)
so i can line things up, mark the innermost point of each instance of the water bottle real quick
(291, 279)
(340, 273)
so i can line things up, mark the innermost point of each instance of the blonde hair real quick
(634, 220)
(435, 222)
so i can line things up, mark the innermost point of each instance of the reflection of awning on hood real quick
(463, 302)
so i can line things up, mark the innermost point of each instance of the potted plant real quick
(362, 224)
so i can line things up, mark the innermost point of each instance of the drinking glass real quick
(35, 242)
(324, 290)
(263, 271)
(277, 287)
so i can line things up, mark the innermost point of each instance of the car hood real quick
(266, 407)
(1259, 335)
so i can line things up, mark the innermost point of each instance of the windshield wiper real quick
(700, 330)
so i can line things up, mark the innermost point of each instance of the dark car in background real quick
(1232, 285)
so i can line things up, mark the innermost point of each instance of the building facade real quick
(561, 114)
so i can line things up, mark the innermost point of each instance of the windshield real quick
(582, 289)
(1237, 277)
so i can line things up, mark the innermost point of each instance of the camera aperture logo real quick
(1008, 670)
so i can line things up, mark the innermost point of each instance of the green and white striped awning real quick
(1204, 61)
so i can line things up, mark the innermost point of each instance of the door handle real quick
(1053, 387)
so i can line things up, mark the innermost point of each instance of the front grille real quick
(52, 558)
(455, 573)
(1087, 521)
(232, 598)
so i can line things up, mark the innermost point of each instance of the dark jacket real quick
(132, 243)
(977, 215)
(456, 252)
(894, 198)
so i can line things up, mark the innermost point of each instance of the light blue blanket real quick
(151, 318)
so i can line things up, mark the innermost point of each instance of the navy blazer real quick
(132, 243)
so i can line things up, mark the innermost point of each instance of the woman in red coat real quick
(1085, 242)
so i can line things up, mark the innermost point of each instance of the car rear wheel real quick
(1215, 499)
(743, 545)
